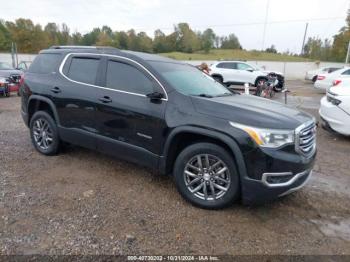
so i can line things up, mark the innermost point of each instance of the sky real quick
(286, 19)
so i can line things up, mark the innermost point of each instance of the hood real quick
(251, 110)
(7, 73)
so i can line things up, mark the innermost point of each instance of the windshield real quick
(5, 66)
(189, 80)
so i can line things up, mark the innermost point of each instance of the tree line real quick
(31, 38)
(329, 49)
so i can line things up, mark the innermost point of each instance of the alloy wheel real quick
(43, 135)
(207, 177)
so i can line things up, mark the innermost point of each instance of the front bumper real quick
(258, 192)
(272, 173)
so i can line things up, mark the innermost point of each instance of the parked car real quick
(325, 81)
(239, 73)
(342, 82)
(164, 114)
(312, 74)
(335, 109)
(13, 76)
(4, 88)
(24, 65)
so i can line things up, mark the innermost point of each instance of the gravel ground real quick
(83, 202)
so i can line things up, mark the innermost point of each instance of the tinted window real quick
(124, 77)
(347, 72)
(227, 65)
(333, 69)
(45, 63)
(83, 69)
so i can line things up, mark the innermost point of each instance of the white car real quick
(312, 74)
(325, 81)
(239, 73)
(342, 82)
(335, 109)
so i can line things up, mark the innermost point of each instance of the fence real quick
(291, 70)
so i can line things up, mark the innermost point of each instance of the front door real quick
(129, 123)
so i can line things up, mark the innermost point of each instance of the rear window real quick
(45, 63)
(83, 69)
(347, 72)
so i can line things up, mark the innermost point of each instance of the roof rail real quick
(72, 47)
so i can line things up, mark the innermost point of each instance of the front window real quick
(5, 66)
(243, 66)
(190, 81)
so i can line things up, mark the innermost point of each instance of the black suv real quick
(219, 146)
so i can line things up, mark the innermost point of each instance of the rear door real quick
(74, 96)
(229, 72)
(246, 73)
(129, 123)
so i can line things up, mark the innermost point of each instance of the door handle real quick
(105, 99)
(56, 90)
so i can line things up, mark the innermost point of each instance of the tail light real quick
(321, 77)
(336, 82)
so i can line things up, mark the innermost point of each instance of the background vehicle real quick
(335, 109)
(342, 82)
(239, 73)
(169, 116)
(325, 81)
(4, 88)
(267, 89)
(312, 74)
(13, 76)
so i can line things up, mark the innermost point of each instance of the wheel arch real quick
(258, 78)
(37, 103)
(182, 137)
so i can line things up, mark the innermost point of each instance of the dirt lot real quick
(82, 202)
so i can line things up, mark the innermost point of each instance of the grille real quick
(306, 139)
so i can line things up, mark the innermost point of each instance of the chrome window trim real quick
(106, 88)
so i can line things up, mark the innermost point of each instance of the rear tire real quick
(211, 182)
(44, 133)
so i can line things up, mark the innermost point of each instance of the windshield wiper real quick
(204, 95)
(225, 94)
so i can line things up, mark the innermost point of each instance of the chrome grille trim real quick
(305, 139)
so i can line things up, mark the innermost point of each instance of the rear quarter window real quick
(45, 63)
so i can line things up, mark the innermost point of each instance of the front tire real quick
(206, 176)
(44, 134)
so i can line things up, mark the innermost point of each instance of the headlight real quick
(271, 138)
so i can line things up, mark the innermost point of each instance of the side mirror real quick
(155, 96)
(250, 70)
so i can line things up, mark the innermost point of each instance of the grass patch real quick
(233, 54)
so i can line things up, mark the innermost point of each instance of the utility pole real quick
(265, 24)
(347, 54)
(302, 48)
